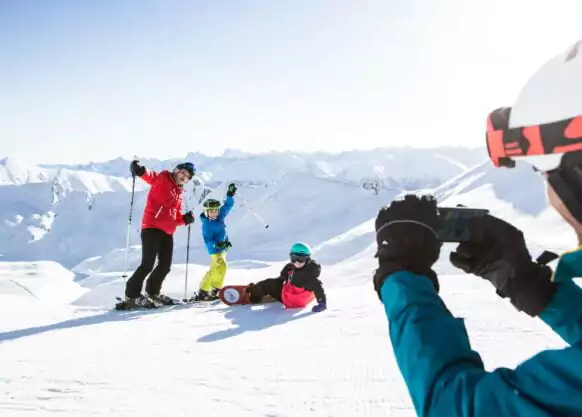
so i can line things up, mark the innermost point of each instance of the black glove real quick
(497, 252)
(407, 239)
(136, 169)
(231, 191)
(225, 244)
(188, 217)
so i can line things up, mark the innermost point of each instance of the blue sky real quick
(93, 80)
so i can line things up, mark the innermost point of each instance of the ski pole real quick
(254, 212)
(187, 262)
(185, 299)
(128, 229)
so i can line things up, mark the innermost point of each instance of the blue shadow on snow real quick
(254, 318)
(108, 316)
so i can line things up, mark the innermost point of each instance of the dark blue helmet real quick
(188, 166)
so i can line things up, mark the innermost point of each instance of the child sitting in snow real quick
(297, 285)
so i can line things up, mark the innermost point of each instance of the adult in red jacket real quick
(161, 217)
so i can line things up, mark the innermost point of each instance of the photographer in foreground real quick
(445, 377)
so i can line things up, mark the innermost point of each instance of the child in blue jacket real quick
(444, 375)
(214, 233)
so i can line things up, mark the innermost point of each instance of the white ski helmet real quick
(544, 127)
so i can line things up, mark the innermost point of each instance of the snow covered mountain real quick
(80, 213)
(79, 218)
(394, 166)
(16, 172)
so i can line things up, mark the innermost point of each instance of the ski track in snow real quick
(243, 361)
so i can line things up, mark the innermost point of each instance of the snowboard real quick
(237, 295)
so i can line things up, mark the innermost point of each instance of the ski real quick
(122, 305)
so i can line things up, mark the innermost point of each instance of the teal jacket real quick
(215, 231)
(446, 378)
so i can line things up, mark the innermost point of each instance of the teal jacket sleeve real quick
(564, 313)
(226, 207)
(446, 378)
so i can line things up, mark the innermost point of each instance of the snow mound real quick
(41, 281)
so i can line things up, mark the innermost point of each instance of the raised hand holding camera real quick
(406, 238)
(497, 252)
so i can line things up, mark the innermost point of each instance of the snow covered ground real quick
(82, 359)
(65, 352)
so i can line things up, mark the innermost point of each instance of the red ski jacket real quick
(295, 297)
(163, 208)
(301, 286)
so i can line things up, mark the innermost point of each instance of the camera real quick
(453, 223)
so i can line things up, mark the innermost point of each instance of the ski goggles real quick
(552, 148)
(212, 205)
(550, 140)
(295, 257)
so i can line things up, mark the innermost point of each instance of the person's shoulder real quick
(166, 176)
(313, 266)
(314, 263)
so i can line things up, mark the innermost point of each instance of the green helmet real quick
(300, 248)
(211, 204)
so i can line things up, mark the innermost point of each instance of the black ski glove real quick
(497, 252)
(136, 169)
(188, 218)
(407, 239)
(231, 191)
(225, 244)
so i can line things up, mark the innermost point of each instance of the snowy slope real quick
(46, 281)
(243, 361)
(516, 195)
(260, 360)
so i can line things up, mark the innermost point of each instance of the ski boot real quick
(162, 299)
(204, 296)
(139, 302)
(214, 294)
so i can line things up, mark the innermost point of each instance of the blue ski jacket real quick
(446, 378)
(215, 231)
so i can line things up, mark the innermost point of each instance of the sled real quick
(237, 295)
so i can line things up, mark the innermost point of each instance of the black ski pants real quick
(269, 286)
(154, 243)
